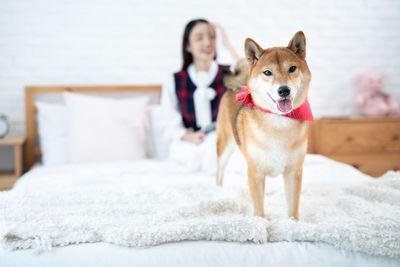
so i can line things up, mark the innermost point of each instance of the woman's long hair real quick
(187, 56)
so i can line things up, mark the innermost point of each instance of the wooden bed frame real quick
(31, 149)
(332, 137)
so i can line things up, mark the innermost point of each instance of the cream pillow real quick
(106, 129)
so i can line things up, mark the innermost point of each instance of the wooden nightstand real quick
(8, 178)
(371, 145)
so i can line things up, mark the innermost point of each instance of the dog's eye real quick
(292, 68)
(267, 73)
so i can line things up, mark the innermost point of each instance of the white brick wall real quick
(47, 42)
(138, 42)
(62, 42)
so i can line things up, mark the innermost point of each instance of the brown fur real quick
(239, 76)
(265, 138)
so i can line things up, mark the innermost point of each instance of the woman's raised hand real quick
(225, 40)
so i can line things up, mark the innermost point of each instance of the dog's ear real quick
(298, 44)
(253, 51)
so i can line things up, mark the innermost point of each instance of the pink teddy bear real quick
(373, 101)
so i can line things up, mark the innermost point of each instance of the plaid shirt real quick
(184, 88)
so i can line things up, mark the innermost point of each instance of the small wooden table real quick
(8, 178)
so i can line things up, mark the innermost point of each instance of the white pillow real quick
(158, 145)
(106, 129)
(53, 133)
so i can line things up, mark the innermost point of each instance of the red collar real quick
(302, 113)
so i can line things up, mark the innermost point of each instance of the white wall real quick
(93, 42)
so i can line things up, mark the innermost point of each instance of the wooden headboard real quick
(333, 138)
(32, 150)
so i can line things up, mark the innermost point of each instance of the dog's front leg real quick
(293, 179)
(257, 186)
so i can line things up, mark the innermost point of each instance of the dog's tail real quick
(233, 79)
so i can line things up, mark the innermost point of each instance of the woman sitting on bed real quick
(191, 98)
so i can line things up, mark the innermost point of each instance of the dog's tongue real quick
(285, 105)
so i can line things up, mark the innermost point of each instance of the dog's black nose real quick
(283, 91)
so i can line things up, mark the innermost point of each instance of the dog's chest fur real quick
(272, 141)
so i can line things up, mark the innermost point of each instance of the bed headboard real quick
(32, 149)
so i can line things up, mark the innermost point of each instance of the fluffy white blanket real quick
(362, 218)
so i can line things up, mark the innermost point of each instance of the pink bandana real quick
(302, 113)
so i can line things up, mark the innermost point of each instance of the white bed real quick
(317, 170)
(320, 174)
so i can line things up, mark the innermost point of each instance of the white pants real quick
(202, 157)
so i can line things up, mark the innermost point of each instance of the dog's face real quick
(279, 76)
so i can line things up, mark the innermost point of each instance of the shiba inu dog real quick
(269, 124)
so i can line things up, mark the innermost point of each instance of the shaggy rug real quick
(364, 218)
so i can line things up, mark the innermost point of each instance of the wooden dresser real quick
(371, 145)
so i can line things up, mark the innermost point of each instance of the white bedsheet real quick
(193, 253)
